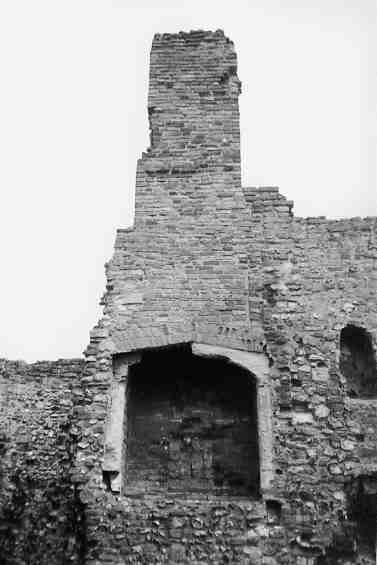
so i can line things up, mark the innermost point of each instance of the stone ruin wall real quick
(316, 276)
(41, 518)
(220, 266)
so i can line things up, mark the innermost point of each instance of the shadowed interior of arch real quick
(191, 425)
(357, 362)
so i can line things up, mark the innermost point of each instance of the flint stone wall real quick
(41, 519)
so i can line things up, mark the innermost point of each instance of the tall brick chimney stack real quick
(181, 273)
(193, 164)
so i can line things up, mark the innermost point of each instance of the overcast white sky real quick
(73, 121)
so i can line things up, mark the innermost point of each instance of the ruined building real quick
(226, 407)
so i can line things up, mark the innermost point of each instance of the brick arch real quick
(254, 363)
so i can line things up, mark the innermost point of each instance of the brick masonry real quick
(207, 262)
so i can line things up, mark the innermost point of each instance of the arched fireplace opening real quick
(191, 425)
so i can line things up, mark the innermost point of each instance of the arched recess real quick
(357, 362)
(227, 472)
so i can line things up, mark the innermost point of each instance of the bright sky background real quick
(73, 121)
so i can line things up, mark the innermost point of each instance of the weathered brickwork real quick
(226, 411)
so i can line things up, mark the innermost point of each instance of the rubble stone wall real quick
(41, 518)
(314, 277)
